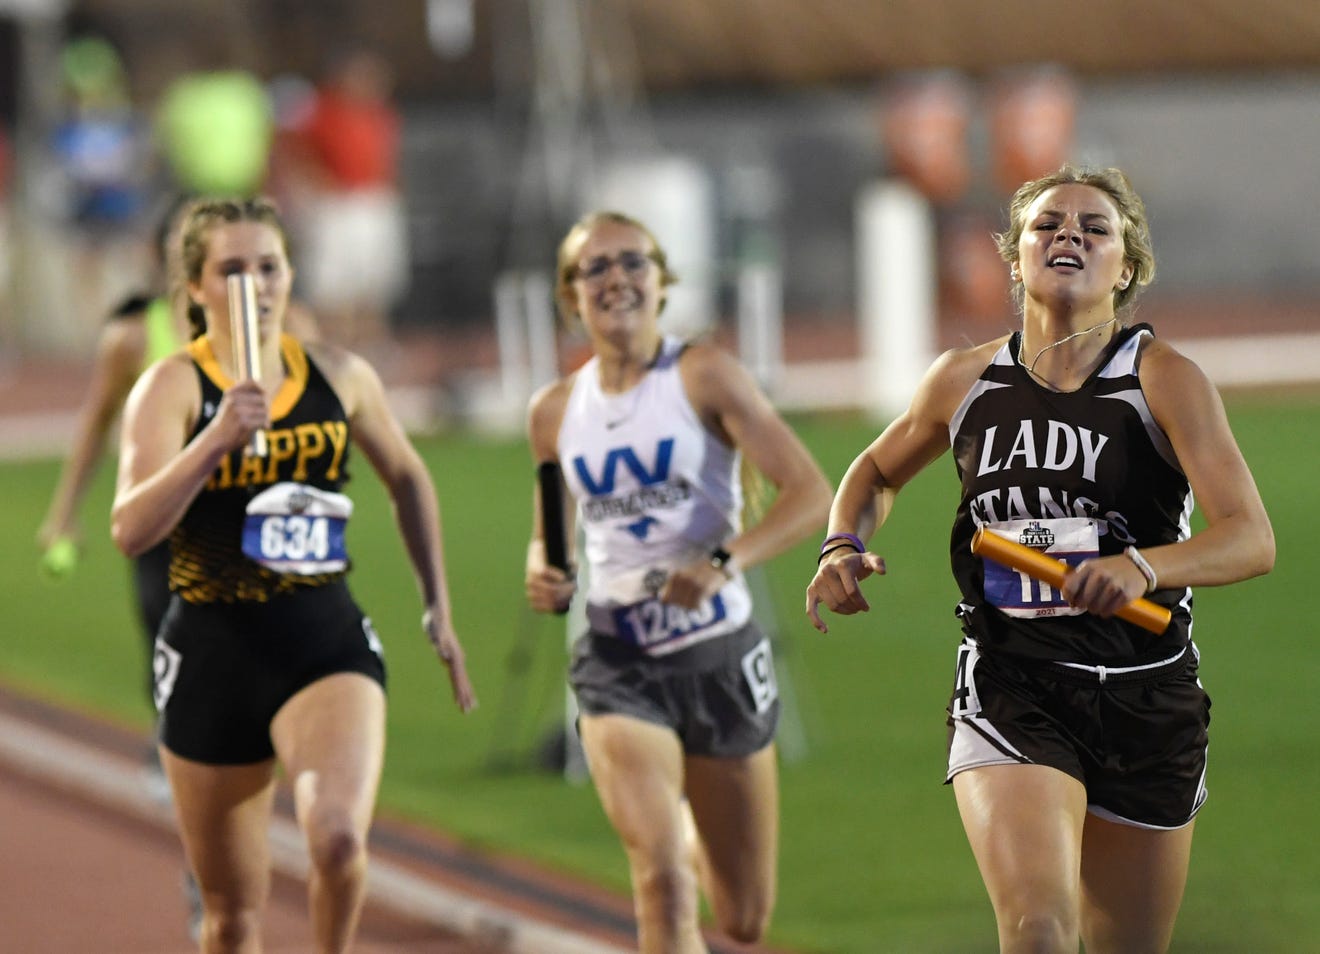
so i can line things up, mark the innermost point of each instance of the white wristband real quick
(1133, 554)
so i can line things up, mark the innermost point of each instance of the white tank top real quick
(654, 490)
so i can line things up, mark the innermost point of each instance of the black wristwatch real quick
(722, 560)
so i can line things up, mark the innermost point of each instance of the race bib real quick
(165, 662)
(293, 528)
(758, 668)
(651, 623)
(1071, 539)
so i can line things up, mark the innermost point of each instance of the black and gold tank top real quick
(307, 445)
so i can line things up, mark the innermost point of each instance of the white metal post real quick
(896, 292)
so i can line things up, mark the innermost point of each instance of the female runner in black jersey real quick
(264, 656)
(141, 330)
(1077, 742)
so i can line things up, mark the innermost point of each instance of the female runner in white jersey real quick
(674, 681)
(1077, 741)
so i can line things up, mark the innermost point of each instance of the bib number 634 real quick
(295, 538)
(292, 528)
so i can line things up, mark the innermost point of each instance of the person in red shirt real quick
(354, 230)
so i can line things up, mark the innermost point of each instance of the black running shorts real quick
(223, 670)
(151, 583)
(1135, 737)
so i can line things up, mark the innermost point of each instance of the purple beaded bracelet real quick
(851, 539)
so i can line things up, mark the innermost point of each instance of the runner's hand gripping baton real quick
(247, 344)
(552, 516)
(1037, 565)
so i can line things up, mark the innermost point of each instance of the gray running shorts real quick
(719, 696)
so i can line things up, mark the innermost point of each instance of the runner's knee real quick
(1040, 930)
(334, 845)
(747, 922)
(667, 889)
(230, 929)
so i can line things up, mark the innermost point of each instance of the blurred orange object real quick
(925, 133)
(1032, 120)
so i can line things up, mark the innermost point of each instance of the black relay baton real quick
(552, 516)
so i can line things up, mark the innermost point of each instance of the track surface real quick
(80, 877)
(91, 863)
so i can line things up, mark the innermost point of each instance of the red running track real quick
(90, 864)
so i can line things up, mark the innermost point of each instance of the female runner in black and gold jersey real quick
(263, 656)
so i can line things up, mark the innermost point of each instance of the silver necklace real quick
(1031, 368)
(615, 417)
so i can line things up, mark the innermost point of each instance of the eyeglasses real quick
(632, 263)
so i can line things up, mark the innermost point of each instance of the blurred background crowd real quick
(428, 153)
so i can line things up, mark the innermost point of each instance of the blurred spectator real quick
(353, 225)
(100, 143)
(292, 99)
(99, 183)
(214, 129)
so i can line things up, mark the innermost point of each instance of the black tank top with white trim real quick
(1075, 474)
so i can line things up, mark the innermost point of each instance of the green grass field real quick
(873, 857)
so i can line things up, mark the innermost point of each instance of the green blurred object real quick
(94, 71)
(60, 559)
(215, 131)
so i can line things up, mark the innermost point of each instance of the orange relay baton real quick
(1037, 565)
